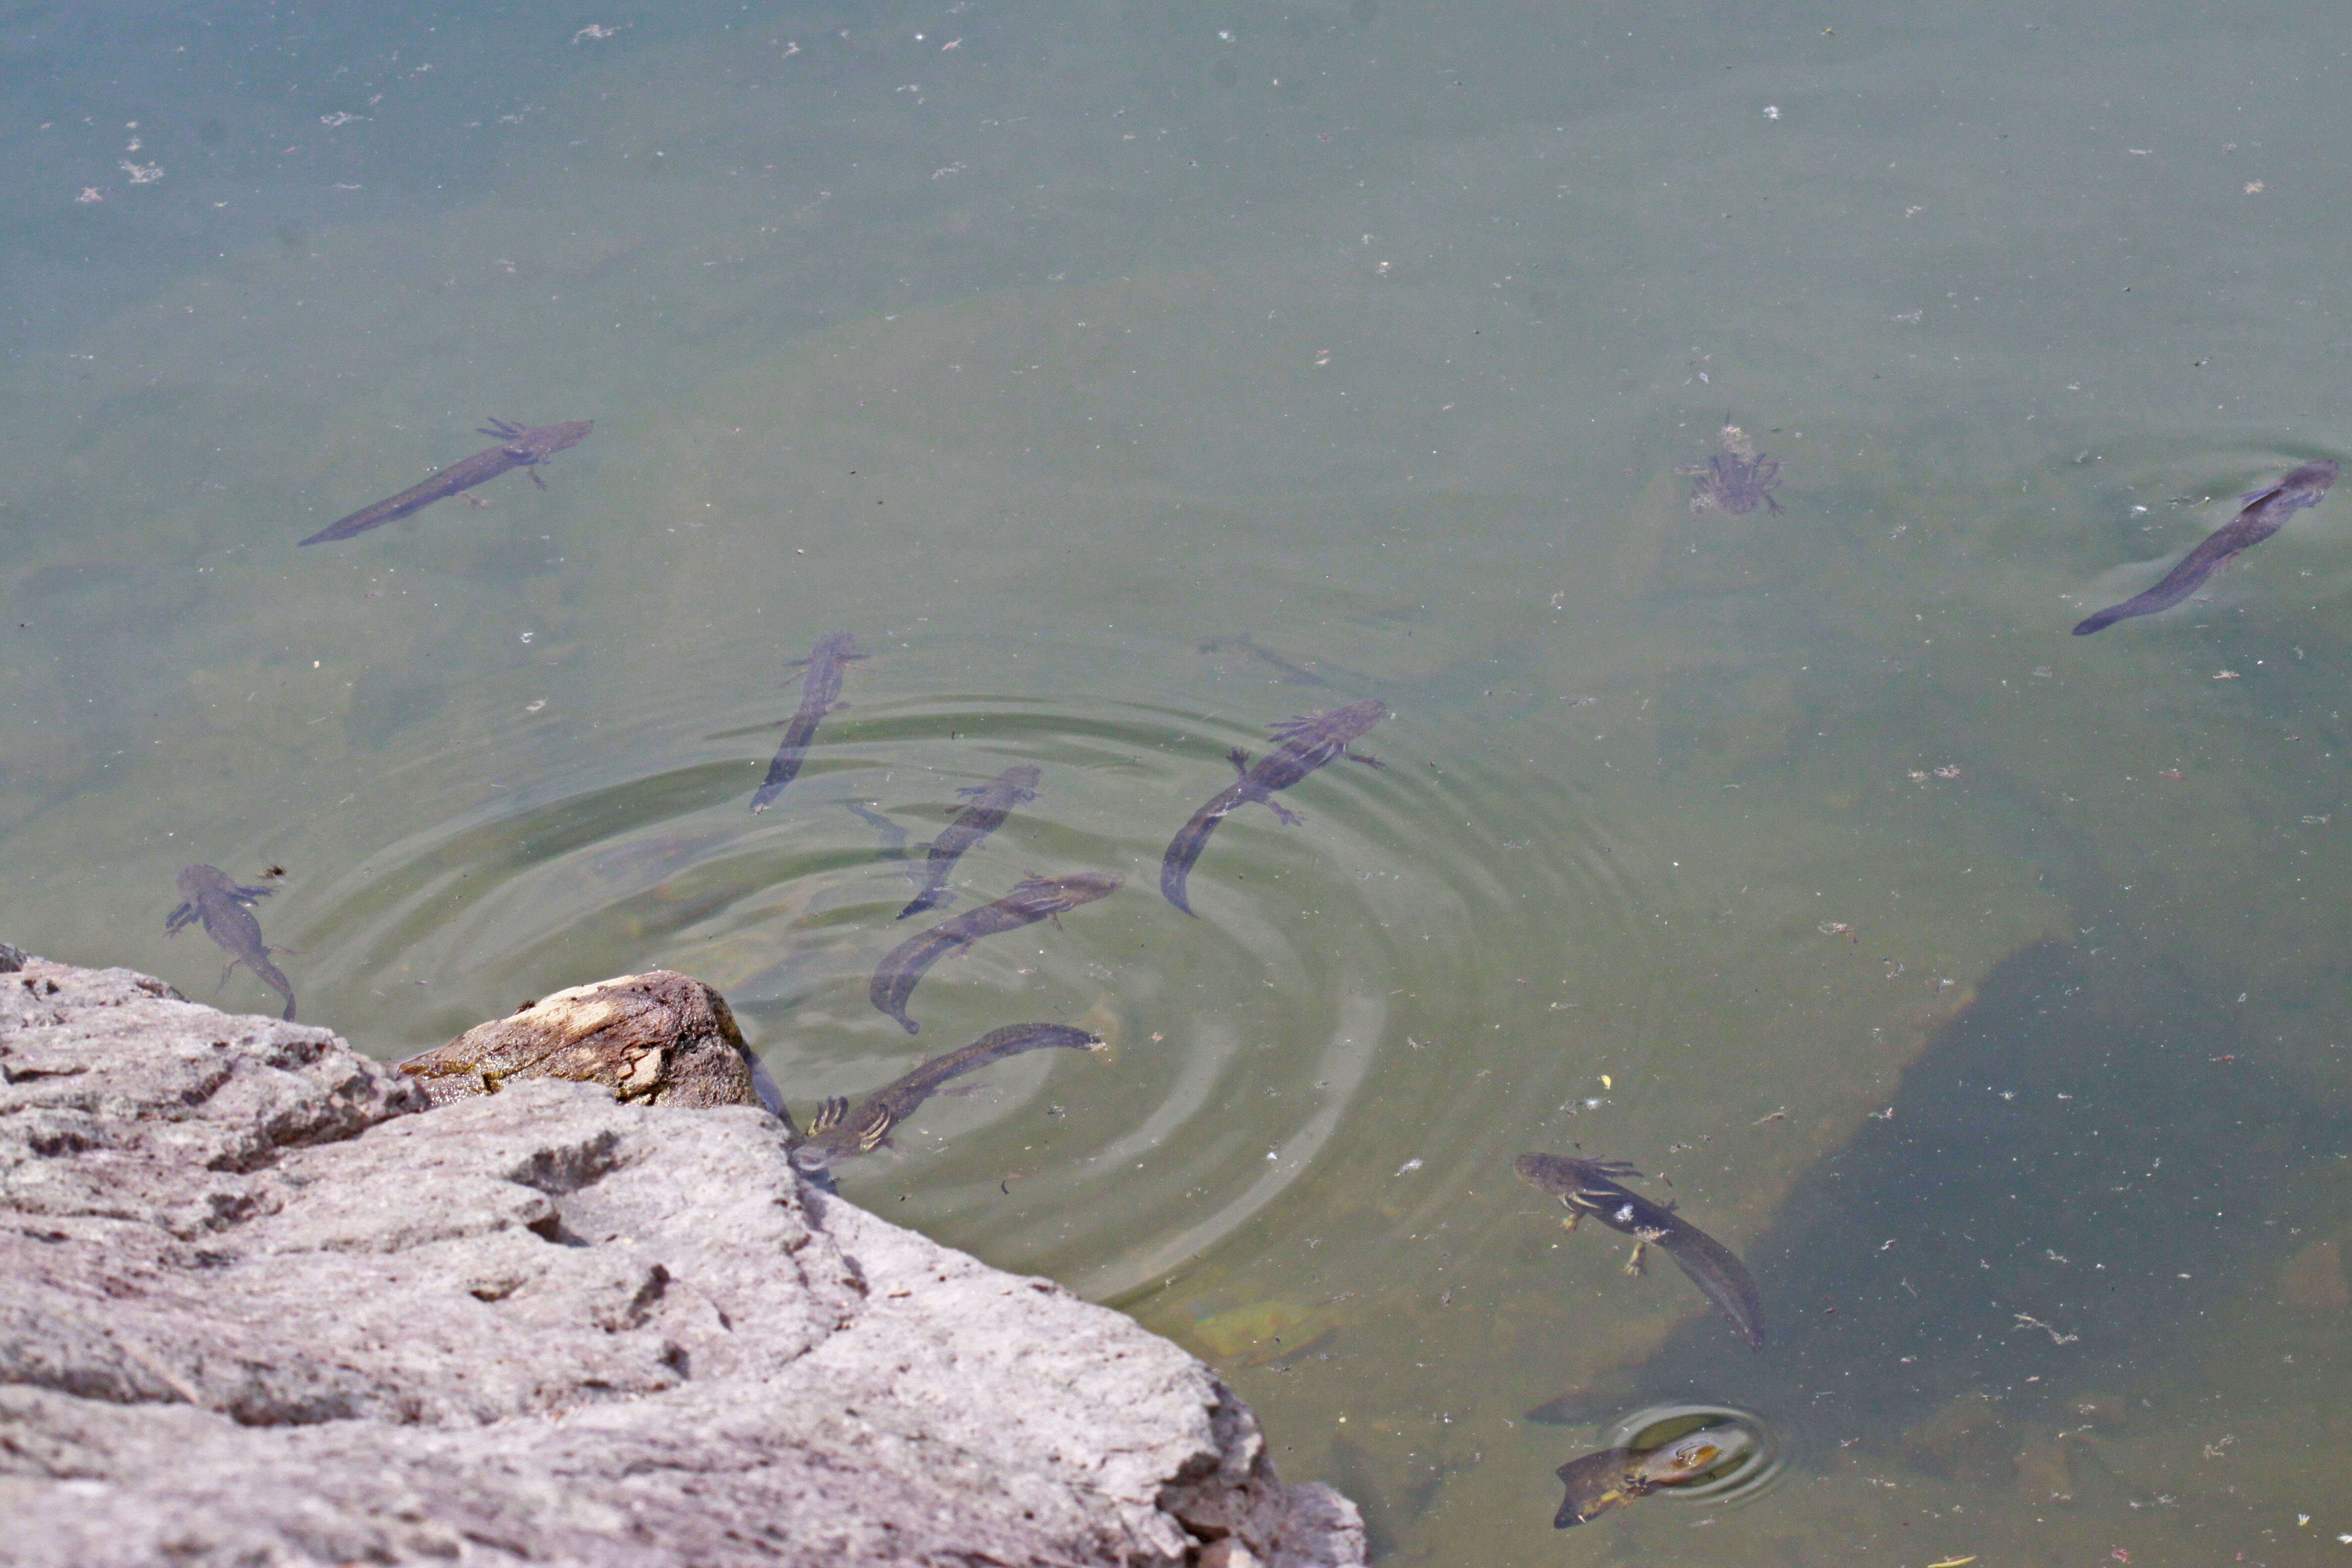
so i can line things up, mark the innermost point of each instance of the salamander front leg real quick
(1642, 1238)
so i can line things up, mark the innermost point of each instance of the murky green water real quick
(1128, 378)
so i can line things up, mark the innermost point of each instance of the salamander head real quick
(547, 440)
(1554, 1173)
(1043, 896)
(2311, 479)
(195, 881)
(1562, 1176)
(816, 1155)
(1695, 1453)
(1339, 724)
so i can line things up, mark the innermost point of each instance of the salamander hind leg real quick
(1289, 817)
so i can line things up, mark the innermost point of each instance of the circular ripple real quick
(1741, 1477)
(1240, 1041)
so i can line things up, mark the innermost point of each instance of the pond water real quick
(1130, 378)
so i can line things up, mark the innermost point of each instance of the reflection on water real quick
(1129, 381)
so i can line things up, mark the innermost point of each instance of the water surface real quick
(1130, 378)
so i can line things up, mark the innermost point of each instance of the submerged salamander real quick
(1589, 1187)
(226, 910)
(520, 447)
(819, 695)
(1034, 899)
(1308, 742)
(2265, 513)
(992, 802)
(1614, 1476)
(836, 1133)
(1735, 478)
(1241, 642)
(894, 839)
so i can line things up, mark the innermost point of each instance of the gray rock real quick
(258, 1309)
(657, 1038)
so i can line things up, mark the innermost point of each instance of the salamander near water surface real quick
(1032, 899)
(819, 695)
(838, 1134)
(2266, 512)
(226, 910)
(1615, 1477)
(992, 802)
(520, 447)
(1591, 1187)
(1309, 741)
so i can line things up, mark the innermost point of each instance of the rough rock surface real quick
(657, 1038)
(254, 1309)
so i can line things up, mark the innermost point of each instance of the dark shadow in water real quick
(1354, 1472)
(2089, 1146)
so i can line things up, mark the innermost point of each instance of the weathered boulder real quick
(256, 1309)
(657, 1038)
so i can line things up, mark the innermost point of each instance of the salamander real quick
(1615, 1477)
(1241, 642)
(819, 695)
(1735, 478)
(894, 839)
(520, 447)
(836, 1133)
(1589, 1187)
(1032, 899)
(2265, 513)
(226, 910)
(1309, 741)
(992, 802)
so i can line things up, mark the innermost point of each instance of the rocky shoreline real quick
(265, 1304)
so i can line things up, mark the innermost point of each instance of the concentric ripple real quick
(1240, 1041)
(1742, 1477)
